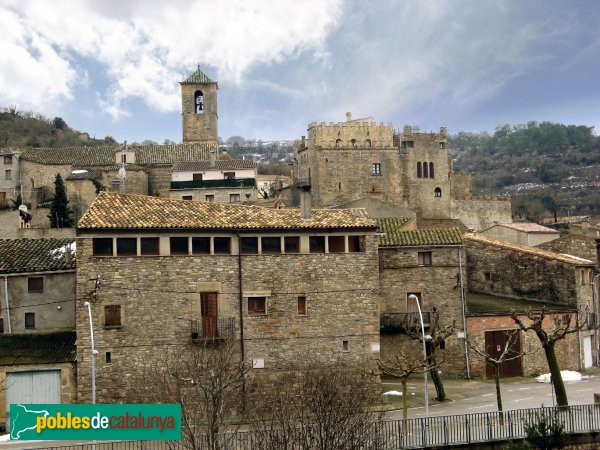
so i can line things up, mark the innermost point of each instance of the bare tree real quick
(561, 327)
(206, 379)
(322, 408)
(434, 340)
(402, 367)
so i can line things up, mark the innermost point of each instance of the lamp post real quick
(425, 386)
(93, 351)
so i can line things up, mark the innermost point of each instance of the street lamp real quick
(93, 350)
(425, 387)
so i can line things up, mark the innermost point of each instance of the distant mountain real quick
(547, 167)
(27, 129)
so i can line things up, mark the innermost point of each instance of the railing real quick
(402, 322)
(399, 434)
(208, 328)
(229, 183)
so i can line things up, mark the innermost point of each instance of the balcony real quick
(209, 184)
(212, 328)
(402, 322)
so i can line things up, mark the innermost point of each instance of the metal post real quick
(425, 387)
(94, 352)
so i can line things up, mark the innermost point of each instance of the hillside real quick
(26, 129)
(546, 167)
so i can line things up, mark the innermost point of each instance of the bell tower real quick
(199, 108)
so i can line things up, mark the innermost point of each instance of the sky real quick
(113, 67)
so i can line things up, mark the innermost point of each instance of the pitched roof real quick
(480, 302)
(220, 164)
(84, 175)
(37, 348)
(35, 255)
(393, 236)
(197, 77)
(534, 251)
(124, 211)
(526, 227)
(105, 156)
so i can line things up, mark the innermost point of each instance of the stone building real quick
(428, 265)
(287, 287)
(361, 159)
(9, 176)
(535, 278)
(530, 234)
(37, 322)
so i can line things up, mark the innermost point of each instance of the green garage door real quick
(35, 386)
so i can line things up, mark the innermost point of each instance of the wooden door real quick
(208, 309)
(494, 346)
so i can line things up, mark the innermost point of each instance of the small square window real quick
(234, 198)
(355, 244)
(229, 175)
(7, 159)
(424, 258)
(249, 245)
(112, 316)
(197, 177)
(108, 358)
(317, 244)
(149, 246)
(126, 246)
(102, 246)
(179, 246)
(302, 305)
(292, 244)
(271, 245)
(376, 169)
(337, 244)
(487, 276)
(201, 246)
(8, 174)
(29, 320)
(210, 198)
(186, 197)
(222, 245)
(257, 305)
(35, 284)
(345, 346)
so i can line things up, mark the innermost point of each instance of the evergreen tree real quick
(60, 213)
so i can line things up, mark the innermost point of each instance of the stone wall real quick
(580, 245)
(43, 176)
(159, 181)
(159, 295)
(222, 195)
(461, 185)
(9, 224)
(479, 213)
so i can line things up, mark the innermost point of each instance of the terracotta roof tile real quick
(221, 164)
(393, 236)
(122, 211)
(534, 251)
(37, 348)
(35, 255)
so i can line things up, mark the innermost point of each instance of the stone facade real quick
(9, 175)
(159, 295)
(580, 245)
(513, 234)
(199, 125)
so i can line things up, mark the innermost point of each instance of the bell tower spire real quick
(199, 108)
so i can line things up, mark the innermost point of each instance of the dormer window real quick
(199, 102)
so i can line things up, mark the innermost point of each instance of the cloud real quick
(144, 47)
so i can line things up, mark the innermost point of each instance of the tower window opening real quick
(338, 142)
(353, 142)
(437, 192)
(425, 171)
(368, 142)
(431, 170)
(419, 173)
(199, 102)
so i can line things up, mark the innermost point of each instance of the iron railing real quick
(212, 328)
(399, 434)
(402, 322)
(229, 183)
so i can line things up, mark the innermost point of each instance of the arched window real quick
(437, 192)
(431, 170)
(339, 186)
(199, 102)
(368, 142)
(353, 142)
(425, 174)
(338, 142)
(419, 175)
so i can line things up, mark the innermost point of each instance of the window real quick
(317, 244)
(229, 175)
(337, 244)
(339, 186)
(186, 197)
(222, 245)
(368, 142)
(419, 172)
(442, 145)
(197, 177)
(302, 305)
(408, 144)
(249, 245)
(355, 244)
(107, 357)
(425, 171)
(210, 198)
(102, 246)
(376, 169)
(123, 158)
(271, 245)
(7, 159)
(234, 198)
(431, 170)
(199, 102)
(353, 142)
(487, 276)
(126, 246)
(291, 244)
(35, 284)
(345, 346)
(201, 246)
(437, 192)
(338, 142)
(149, 246)
(424, 258)
(112, 316)
(257, 305)
(179, 246)
(1, 325)
(29, 320)
(8, 174)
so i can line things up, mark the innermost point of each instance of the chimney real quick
(68, 255)
(212, 158)
(348, 116)
(585, 225)
(305, 202)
